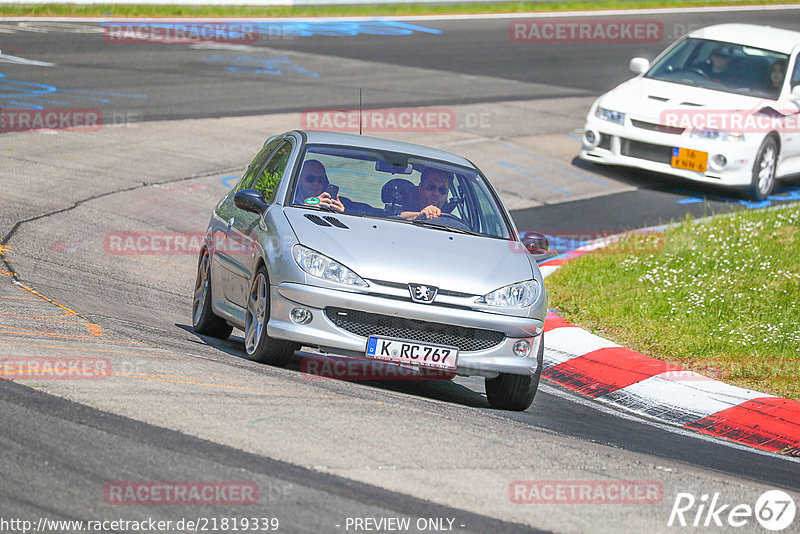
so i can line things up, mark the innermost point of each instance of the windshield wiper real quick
(427, 223)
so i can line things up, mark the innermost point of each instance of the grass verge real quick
(717, 297)
(222, 11)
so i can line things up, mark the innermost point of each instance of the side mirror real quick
(535, 242)
(250, 200)
(639, 65)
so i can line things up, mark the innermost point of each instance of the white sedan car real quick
(720, 106)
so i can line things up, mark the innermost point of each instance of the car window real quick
(796, 73)
(269, 175)
(729, 67)
(388, 185)
(263, 155)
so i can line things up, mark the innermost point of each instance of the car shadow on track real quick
(377, 375)
(662, 183)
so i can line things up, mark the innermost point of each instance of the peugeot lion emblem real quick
(422, 293)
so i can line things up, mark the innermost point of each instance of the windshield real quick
(723, 66)
(402, 187)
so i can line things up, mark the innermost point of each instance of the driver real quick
(718, 66)
(431, 193)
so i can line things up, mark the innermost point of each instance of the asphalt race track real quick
(179, 123)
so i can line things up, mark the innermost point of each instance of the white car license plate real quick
(410, 352)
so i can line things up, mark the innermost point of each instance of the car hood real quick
(651, 100)
(399, 252)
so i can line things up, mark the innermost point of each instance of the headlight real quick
(610, 116)
(519, 295)
(322, 266)
(718, 135)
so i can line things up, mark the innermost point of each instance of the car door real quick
(246, 227)
(225, 264)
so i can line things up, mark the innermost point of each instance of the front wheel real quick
(258, 345)
(763, 182)
(515, 392)
(203, 319)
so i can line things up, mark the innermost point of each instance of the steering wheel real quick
(698, 70)
(449, 219)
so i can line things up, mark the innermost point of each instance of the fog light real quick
(719, 160)
(522, 348)
(300, 316)
(590, 137)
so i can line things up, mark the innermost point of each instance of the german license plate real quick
(411, 353)
(693, 160)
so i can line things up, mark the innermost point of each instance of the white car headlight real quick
(718, 135)
(322, 266)
(519, 295)
(609, 115)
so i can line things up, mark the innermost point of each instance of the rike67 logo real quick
(774, 510)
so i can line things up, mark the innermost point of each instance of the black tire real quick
(258, 345)
(763, 181)
(515, 392)
(203, 319)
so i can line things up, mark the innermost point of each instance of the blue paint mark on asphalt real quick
(524, 169)
(573, 172)
(575, 138)
(290, 28)
(14, 93)
(277, 66)
(753, 205)
(127, 95)
(792, 194)
(342, 28)
(23, 105)
(227, 181)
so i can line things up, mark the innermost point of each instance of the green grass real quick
(131, 10)
(718, 297)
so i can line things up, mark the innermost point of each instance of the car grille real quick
(372, 324)
(648, 151)
(657, 127)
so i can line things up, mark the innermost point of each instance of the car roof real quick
(364, 141)
(765, 37)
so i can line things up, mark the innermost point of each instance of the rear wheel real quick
(763, 182)
(258, 345)
(203, 319)
(515, 392)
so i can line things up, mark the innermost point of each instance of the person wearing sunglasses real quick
(717, 67)
(432, 192)
(312, 183)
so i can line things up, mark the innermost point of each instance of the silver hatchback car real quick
(380, 250)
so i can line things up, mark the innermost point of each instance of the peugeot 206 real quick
(380, 250)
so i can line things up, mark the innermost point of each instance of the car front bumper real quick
(631, 146)
(323, 333)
